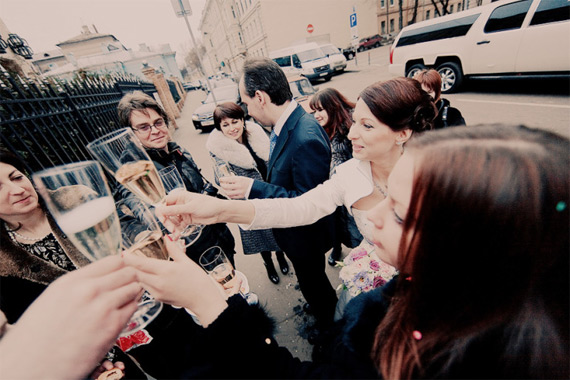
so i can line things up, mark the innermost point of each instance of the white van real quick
(337, 60)
(307, 60)
(510, 38)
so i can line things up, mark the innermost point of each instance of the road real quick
(539, 104)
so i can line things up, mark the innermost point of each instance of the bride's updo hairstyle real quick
(401, 104)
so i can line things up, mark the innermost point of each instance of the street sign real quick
(310, 28)
(181, 7)
(353, 27)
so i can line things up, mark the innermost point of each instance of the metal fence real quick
(50, 122)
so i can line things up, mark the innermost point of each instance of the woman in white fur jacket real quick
(244, 147)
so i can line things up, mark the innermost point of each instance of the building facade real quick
(15, 54)
(415, 11)
(99, 53)
(235, 29)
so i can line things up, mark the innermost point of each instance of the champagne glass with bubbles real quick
(172, 181)
(78, 197)
(122, 154)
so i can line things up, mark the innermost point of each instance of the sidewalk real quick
(283, 301)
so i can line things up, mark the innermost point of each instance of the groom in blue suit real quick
(299, 161)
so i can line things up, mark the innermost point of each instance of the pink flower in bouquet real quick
(378, 282)
(374, 265)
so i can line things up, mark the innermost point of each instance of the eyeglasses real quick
(145, 128)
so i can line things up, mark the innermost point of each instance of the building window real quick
(383, 27)
(391, 3)
(233, 12)
(427, 15)
(391, 25)
(451, 8)
(382, 3)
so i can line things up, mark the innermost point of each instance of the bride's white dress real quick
(362, 270)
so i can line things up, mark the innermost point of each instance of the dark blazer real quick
(300, 161)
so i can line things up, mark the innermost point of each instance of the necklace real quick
(13, 235)
(382, 191)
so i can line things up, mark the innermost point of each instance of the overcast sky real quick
(44, 23)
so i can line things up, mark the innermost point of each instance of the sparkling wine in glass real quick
(172, 181)
(122, 154)
(218, 266)
(78, 197)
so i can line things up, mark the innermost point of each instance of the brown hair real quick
(232, 111)
(488, 257)
(338, 109)
(139, 101)
(265, 75)
(401, 104)
(431, 79)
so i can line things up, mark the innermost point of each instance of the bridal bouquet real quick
(362, 271)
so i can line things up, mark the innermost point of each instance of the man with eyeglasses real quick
(165, 352)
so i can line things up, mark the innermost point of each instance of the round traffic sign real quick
(310, 28)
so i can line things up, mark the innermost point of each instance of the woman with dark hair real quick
(385, 117)
(34, 252)
(447, 116)
(333, 112)
(476, 220)
(244, 147)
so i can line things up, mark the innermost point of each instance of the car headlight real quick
(195, 117)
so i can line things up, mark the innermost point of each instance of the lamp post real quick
(182, 9)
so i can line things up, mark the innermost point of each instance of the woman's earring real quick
(399, 143)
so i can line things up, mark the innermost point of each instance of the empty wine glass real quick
(122, 154)
(172, 180)
(218, 266)
(78, 197)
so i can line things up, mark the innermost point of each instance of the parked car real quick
(337, 61)
(349, 52)
(302, 90)
(507, 39)
(193, 85)
(307, 60)
(370, 42)
(203, 117)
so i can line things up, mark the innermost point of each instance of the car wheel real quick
(377, 44)
(451, 77)
(350, 56)
(360, 49)
(328, 77)
(412, 71)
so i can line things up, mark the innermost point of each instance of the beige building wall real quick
(88, 46)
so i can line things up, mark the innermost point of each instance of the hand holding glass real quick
(122, 154)
(172, 180)
(79, 199)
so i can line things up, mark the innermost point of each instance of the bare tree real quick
(440, 7)
(192, 60)
(415, 14)
(401, 16)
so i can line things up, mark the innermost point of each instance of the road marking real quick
(513, 103)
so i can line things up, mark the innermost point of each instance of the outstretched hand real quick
(236, 187)
(182, 208)
(180, 282)
(74, 322)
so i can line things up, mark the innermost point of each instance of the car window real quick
(507, 17)
(301, 87)
(551, 11)
(449, 29)
(283, 61)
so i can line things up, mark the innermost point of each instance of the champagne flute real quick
(172, 180)
(216, 264)
(122, 154)
(222, 169)
(78, 197)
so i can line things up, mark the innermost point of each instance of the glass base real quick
(146, 312)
